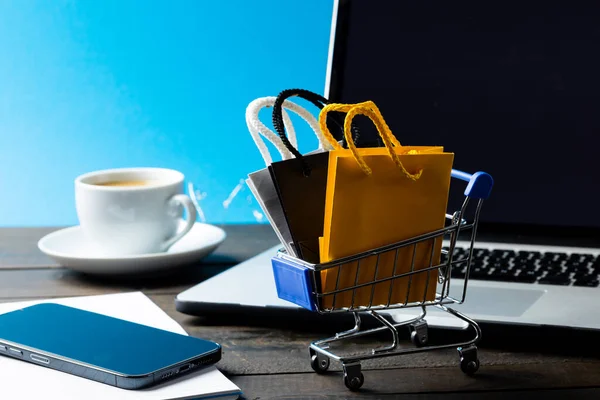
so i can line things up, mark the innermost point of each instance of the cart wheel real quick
(418, 334)
(354, 383)
(319, 364)
(353, 378)
(469, 363)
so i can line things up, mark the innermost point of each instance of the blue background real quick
(87, 85)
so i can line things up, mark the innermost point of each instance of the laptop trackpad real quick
(506, 302)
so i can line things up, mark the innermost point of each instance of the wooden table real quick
(268, 358)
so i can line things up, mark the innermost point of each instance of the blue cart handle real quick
(480, 183)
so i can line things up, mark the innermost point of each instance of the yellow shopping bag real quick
(376, 197)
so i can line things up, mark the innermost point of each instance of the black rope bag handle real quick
(317, 100)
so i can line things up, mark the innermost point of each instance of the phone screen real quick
(109, 343)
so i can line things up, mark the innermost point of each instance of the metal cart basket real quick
(300, 282)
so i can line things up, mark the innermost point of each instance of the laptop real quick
(513, 90)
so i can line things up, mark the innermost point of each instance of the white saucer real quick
(69, 248)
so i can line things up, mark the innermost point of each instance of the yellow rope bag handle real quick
(370, 110)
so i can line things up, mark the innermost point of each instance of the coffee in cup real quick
(125, 183)
(133, 210)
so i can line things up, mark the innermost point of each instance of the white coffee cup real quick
(132, 210)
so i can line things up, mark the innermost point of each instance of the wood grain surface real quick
(268, 356)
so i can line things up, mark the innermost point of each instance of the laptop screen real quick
(512, 88)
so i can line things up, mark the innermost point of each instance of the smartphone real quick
(101, 348)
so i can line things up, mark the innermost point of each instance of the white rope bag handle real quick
(257, 128)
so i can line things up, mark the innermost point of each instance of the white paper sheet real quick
(22, 380)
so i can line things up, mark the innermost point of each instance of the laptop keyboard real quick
(529, 267)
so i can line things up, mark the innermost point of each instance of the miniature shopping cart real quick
(300, 282)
